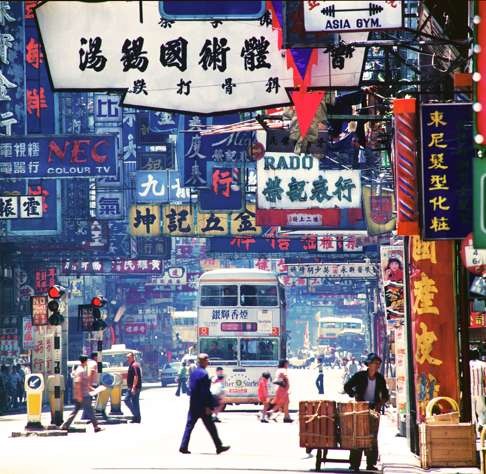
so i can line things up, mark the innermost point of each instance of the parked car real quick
(168, 373)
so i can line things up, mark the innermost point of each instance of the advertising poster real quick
(393, 283)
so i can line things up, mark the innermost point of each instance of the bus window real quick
(215, 295)
(258, 295)
(219, 348)
(259, 349)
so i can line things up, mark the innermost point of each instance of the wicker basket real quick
(451, 418)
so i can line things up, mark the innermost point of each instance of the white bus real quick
(241, 326)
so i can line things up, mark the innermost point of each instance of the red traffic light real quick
(55, 292)
(98, 301)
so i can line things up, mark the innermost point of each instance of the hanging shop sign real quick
(295, 186)
(405, 144)
(159, 186)
(289, 181)
(332, 270)
(44, 279)
(52, 156)
(472, 258)
(39, 310)
(107, 108)
(212, 10)
(434, 331)
(176, 65)
(156, 247)
(379, 210)
(81, 267)
(477, 320)
(268, 243)
(109, 205)
(447, 153)
(342, 16)
(12, 77)
(170, 276)
(225, 191)
(144, 220)
(21, 207)
(188, 221)
(393, 282)
(137, 266)
(27, 334)
(338, 244)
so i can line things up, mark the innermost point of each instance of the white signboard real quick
(23, 207)
(289, 181)
(343, 15)
(332, 270)
(189, 66)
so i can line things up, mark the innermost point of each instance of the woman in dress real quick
(281, 400)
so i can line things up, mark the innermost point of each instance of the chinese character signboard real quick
(137, 266)
(39, 310)
(342, 16)
(77, 267)
(144, 221)
(393, 283)
(433, 321)
(159, 186)
(212, 10)
(171, 276)
(339, 243)
(156, 247)
(332, 270)
(12, 75)
(44, 279)
(225, 191)
(193, 66)
(379, 210)
(294, 183)
(58, 156)
(27, 336)
(109, 205)
(447, 152)
(23, 207)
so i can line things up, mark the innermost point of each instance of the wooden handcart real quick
(326, 425)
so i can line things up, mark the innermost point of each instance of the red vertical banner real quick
(433, 321)
(404, 112)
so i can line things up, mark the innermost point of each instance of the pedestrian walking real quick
(134, 387)
(201, 405)
(281, 400)
(369, 386)
(263, 396)
(320, 378)
(92, 371)
(82, 398)
(217, 391)
(182, 380)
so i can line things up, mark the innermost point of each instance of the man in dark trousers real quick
(134, 386)
(368, 386)
(201, 405)
(320, 378)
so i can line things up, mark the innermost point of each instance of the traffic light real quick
(55, 293)
(97, 302)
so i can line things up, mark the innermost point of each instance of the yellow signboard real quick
(144, 220)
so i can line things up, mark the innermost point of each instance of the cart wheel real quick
(318, 460)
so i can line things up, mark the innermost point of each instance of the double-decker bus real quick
(348, 333)
(241, 326)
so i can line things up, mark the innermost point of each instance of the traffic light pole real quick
(57, 412)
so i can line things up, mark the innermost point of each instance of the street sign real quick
(342, 16)
(34, 381)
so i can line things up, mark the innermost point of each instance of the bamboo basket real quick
(451, 418)
(317, 424)
(355, 425)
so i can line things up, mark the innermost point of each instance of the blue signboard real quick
(211, 10)
(154, 127)
(447, 151)
(200, 153)
(225, 192)
(159, 186)
(268, 243)
(58, 156)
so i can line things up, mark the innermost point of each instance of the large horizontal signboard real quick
(193, 66)
(341, 16)
(211, 10)
(55, 156)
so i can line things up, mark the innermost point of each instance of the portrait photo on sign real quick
(392, 275)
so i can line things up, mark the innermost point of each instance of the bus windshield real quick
(259, 349)
(219, 348)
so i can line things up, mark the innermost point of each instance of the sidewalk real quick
(396, 457)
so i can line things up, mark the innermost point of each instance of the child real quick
(263, 397)
(217, 390)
